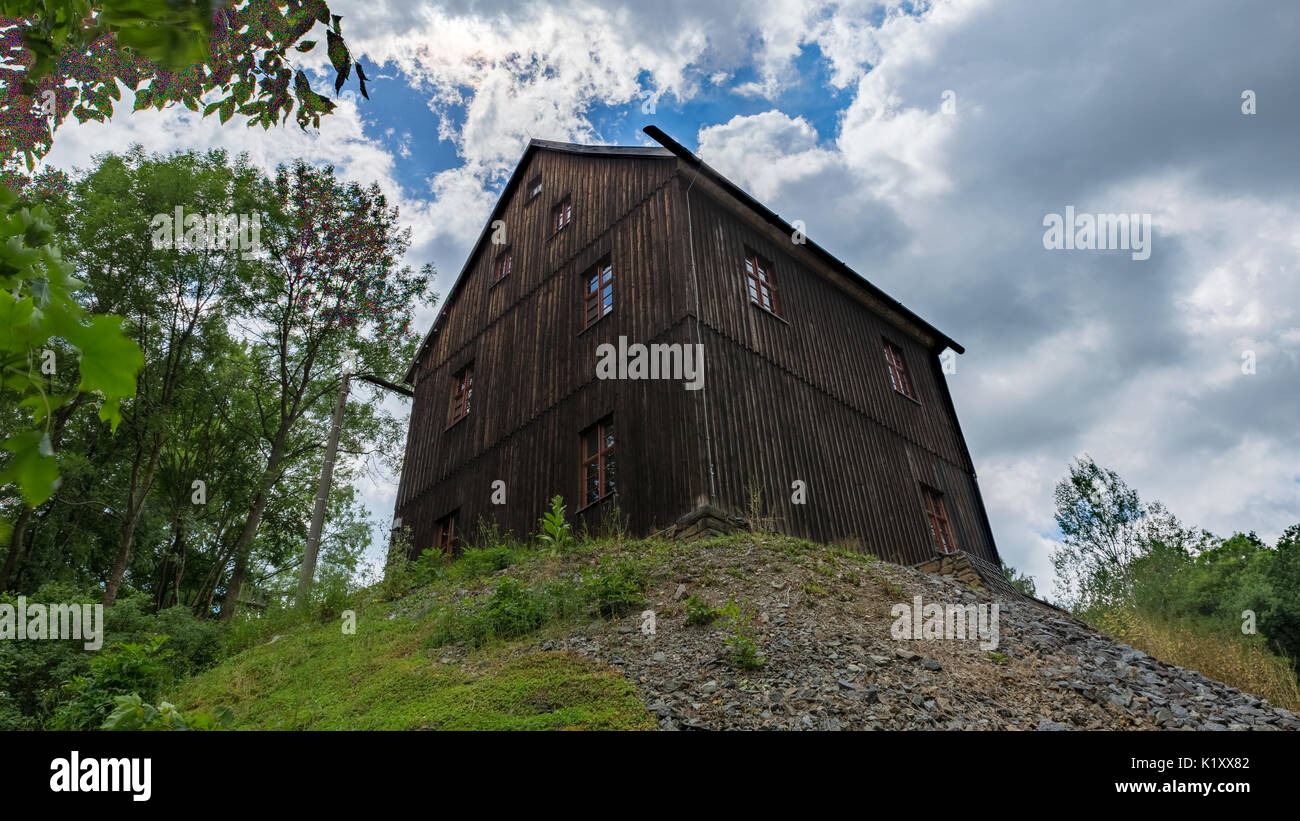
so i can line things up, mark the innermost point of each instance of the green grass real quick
(487, 613)
(381, 678)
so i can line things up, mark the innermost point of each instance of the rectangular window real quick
(598, 461)
(561, 215)
(762, 288)
(898, 375)
(501, 267)
(599, 298)
(534, 188)
(940, 527)
(462, 390)
(445, 534)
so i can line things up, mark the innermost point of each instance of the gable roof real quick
(514, 182)
(670, 149)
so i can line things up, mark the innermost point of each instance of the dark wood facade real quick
(805, 396)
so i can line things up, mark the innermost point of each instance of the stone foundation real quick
(705, 522)
(956, 565)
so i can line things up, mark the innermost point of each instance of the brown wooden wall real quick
(806, 398)
(534, 366)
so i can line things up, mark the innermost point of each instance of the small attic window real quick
(534, 188)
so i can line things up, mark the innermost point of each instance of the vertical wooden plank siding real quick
(805, 396)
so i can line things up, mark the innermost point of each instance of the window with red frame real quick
(598, 467)
(940, 526)
(462, 390)
(561, 214)
(898, 374)
(501, 268)
(445, 534)
(762, 288)
(599, 299)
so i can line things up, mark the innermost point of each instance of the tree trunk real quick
(15, 547)
(244, 544)
(134, 510)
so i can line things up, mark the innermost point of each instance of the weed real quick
(556, 533)
(698, 612)
(741, 647)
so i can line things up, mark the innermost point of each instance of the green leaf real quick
(338, 53)
(109, 361)
(35, 474)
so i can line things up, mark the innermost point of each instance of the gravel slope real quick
(822, 623)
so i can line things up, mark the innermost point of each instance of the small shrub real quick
(997, 657)
(122, 669)
(698, 612)
(556, 533)
(616, 590)
(428, 569)
(131, 712)
(481, 561)
(742, 650)
(514, 610)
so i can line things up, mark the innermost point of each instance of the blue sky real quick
(831, 112)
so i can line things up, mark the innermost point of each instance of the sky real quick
(924, 144)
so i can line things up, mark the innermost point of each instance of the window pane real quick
(610, 472)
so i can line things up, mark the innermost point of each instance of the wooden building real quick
(819, 391)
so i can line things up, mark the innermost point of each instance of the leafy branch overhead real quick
(36, 307)
(62, 57)
(223, 58)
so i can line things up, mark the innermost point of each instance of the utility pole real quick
(308, 571)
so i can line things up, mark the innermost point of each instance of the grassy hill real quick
(751, 631)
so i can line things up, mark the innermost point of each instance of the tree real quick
(1023, 583)
(69, 56)
(1104, 529)
(331, 291)
(1280, 622)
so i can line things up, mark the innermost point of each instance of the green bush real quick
(616, 590)
(741, 647)
(32, 673)
(512, 610)
(1280, 621)
(554, 532)
(481, 561)
(130, 712)
(122, 669)
(698, 612)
